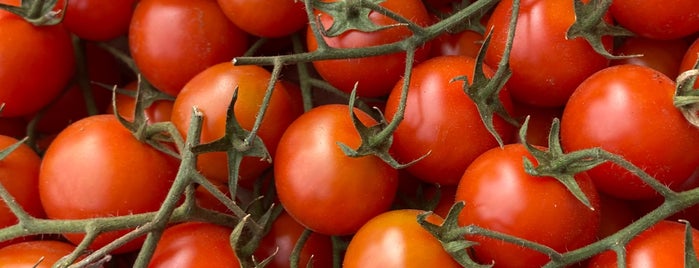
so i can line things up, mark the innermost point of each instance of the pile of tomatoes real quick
(379, 133)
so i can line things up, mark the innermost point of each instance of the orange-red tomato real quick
(279, 19)
(35, 254)
(282, 238)
(194, 244)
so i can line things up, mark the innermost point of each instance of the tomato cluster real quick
(375, 133)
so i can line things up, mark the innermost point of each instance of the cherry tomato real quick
(346, 191)
(662, 245)
(375, 75)
(540, 120)
(440, 119)
(690, 59)
(158, 111)
(171, 41)
(97, 168)
(211, 92)
(396, 239)
(500, 196)
(98, 20)
(662, 55)
(657, 19)
(546, 67)
(194, 244)
(36, 254)
(280, 19)
(465, 43)
(628, 110)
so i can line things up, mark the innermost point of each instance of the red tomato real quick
(211, 92)
(98, 20)
(375, 75)
(346, 192)
(158, 111)
(36, 254)
(194, 244)
(396, 239)
(15, 127)
(662, 245)
(282, 237)
(540, 120)
(546, 67)
(628, 110)
(466, 43)
(657, 19)
(96, 168)
(171, 41)
(280, 19)
(500, 196)
(440, 119)
(45, 52)
(690, 59)
(662, 55)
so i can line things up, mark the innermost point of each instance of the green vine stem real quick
(686, 96)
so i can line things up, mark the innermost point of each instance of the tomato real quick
(546, 67)
(662, 55)
(158, 111)
(98, 20)
(15, 127)
(280, 19)
(45, 52)
(540, 120)
(662, 245)
(628, 110)
(396, 239)
(615, 215)
(171, 41)
(211, 92)
(37, 254)
(375, 75)
(440, 119)
(466, 43)
(97, 168)
(657, 19)
(194, 244)
(500, 196)
(346, 191)
(690, 59)
(282, 237)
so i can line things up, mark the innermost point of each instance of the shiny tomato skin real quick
(194, 244)
(628, 110)
(662, 245)
(88, 171)
(98, 20)
(499, 195)
(440, 119)
(662, 55)
(375, 75)
(282, 238)
(346, 192)
(657, 19)
(466, 43)
(396, 239)
(690, 59)
(279, 19)
(36, 254)
(173, 40)
(211, 92)
(45, 52)
(546, 67)
(158, 111)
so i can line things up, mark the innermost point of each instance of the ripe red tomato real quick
(96, 168)
(540, 120)
(396, 239)
(662, 245)
(465, 43)
(375, 75)
(45, 52)
(662, 55)
(628, 110)
(173, 40)
(211, 92)
(98, 20)
(36, 254)
(657, 19)
(194, 244)
(690, 59)
(546, 67)
(280, 19)
(440, 119)
(500, 196)
(346, 192)
(158, 111)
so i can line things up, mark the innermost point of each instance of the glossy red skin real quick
(500, 196)
(83, 175)
(171, 41)
(662, 55)
(465, 43)
(44, 52)
(346, 192)
(628, 110)
(194, 244)
(158, 111)
(662, 245)
(279, 19)
(657, 19)
(690, 59)
(211, 92)
(546, 68)
(98, 20)
(396, 239)
(375, 75)
(282, 237)
(440, 119)
(37, 254)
